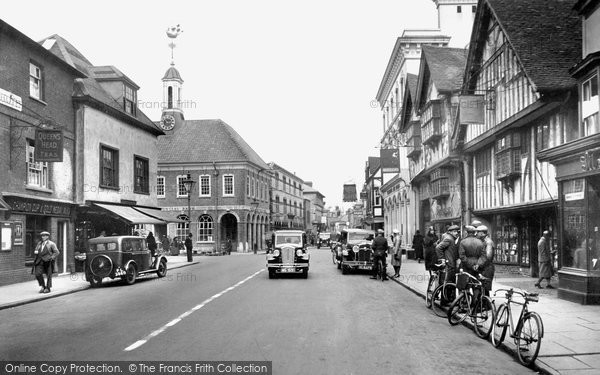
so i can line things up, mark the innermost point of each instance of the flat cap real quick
(453, 227)
(482, 228)
(44, 233)
(470, 228)
(380, 231)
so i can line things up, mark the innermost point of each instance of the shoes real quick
(47, 290)
(373, 277)
(42, 289)
(395, 276)
(419, 261)
(549, 286)
(385, 279)
(538, 286)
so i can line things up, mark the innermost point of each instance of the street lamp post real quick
(188, 183)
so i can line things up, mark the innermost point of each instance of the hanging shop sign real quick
(48, 145)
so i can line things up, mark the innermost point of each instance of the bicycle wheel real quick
(334, 256)
(500, 325)
(458, 310)
(442, 296)
(430, 289)
(484, 317)
(529, 338)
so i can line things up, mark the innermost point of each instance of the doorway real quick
(229, 230)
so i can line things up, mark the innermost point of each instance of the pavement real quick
(571, 341)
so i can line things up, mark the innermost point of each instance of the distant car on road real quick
(324, 239)
(289, 254)
(353, 251)
(123, 257)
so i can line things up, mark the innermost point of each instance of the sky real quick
(296, 79)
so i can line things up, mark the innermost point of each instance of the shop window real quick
(591, 261)
(37, 172)
(574, 223)
(507, 240)
(141, 175)
(205, 229)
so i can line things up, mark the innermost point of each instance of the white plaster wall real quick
(591, 28)
(62, 174)
(100, 128)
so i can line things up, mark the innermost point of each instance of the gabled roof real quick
(206, 141)
(544, 34)
(410, 91)
(90, 90)
(374, 162)
(444, 66)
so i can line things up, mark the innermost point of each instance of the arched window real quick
(170, 97)
(205, 228)
(182, 228)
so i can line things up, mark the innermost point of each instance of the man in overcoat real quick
(45, 254)
(447, 249)
(544, 260)
(380, 247)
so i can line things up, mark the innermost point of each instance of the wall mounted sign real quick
(11, 100)
(48, 145)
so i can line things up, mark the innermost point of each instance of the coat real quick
(397, 250)
(544, 260)
(471, 252)
(379, 245)
(429, 242)
(46, 253)
(488, 270)
(188, 243)
(447, 249)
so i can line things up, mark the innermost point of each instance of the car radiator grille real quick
(364, 255)
(287, 255)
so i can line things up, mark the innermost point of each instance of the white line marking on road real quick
(157, 332)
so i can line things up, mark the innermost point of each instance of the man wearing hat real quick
(488, 269)
(380, 247)
(544, 261)
(448, 250)
(45, 254)
(471, 252)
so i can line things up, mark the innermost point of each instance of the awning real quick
(3, 205)
(130, 214)
(168, 216)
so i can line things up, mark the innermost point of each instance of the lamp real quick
(188, 184)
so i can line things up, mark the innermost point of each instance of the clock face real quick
(167, 122)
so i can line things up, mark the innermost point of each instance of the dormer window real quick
(129, 100)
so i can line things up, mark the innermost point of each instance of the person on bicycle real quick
(447, 249)
(487, 270)
(380, 247)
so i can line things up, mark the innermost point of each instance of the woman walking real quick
(397, 253)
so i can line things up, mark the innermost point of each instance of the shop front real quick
(24, 220)
(516, 232)
(579, 274)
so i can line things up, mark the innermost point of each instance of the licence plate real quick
(365, 267)
(288, 270)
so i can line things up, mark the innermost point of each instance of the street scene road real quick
(226, 308)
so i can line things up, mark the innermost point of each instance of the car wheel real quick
(162, 268)
(344, 270)
(305, 273)
(271, 274)
(130, 275)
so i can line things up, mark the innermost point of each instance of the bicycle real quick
(479, 307)
(528, 332)
(380, 271)
(439, 294)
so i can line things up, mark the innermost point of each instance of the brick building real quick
(36, 195)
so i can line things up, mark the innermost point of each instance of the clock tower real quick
(172, 114)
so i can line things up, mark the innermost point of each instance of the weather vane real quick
(172, 33)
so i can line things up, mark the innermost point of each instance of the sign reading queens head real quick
(48, 145)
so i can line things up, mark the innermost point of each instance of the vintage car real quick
(123, 257)
(323, 239)
(289, 254)
(353, 251)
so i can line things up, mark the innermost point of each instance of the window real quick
(483, 162)
(160, 186)
(205, 229)
(204, 185)
(181, 191)
(109, 167)
(129, 100)
(170, 97)
(182, 228)
(473, 8)
(459, 9)
(589, 106)
(37, 172)
(252, 188)
(36, 81)
(140, 175)
(228, 185)
(247, 186)
(377, 198)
